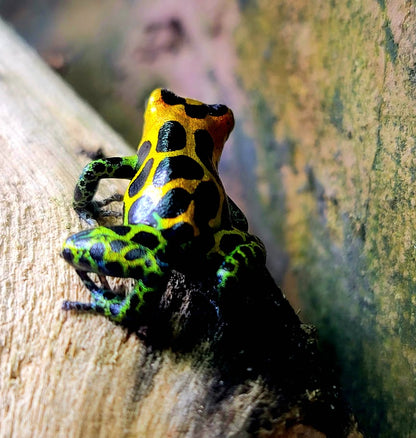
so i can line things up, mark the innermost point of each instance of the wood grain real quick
(70, 375)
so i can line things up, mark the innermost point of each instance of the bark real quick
(253, 371)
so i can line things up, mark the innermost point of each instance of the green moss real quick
(382, 4)
(337, 109)
(391, 46)
(336, 134)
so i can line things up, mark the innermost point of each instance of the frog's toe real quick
(226, 275)
(76, 305)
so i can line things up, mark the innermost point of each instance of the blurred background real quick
(315, 161)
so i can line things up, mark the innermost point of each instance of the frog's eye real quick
(217, 110)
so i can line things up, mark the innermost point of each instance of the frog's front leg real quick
(242, 252)
(132, 251)
(93, 172)
(124, 310)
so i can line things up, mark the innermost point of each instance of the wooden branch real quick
(254, 372)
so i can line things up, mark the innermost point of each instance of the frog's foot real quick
(79, 307)
(93, 211)
(123, 310)
(98, 295)
(245, 257)
(116, 197)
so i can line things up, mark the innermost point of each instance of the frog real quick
(176, 213)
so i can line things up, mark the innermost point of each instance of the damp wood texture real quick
(63, 374)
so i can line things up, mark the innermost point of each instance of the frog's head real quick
(190, 117)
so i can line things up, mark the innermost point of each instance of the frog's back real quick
(177, 188)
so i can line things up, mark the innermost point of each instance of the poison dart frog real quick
(176, 212)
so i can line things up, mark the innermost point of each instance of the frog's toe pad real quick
(76, 305)
(226, 275)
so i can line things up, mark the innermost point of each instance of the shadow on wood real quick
(253, 337)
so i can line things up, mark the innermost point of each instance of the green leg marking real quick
(93, 172)
(125, 310)
(244, 257)
(125, 251)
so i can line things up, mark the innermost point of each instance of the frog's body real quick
(176, 213)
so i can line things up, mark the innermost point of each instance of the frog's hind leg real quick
(124, 310)
(123, 251)
(241, 253)
(93, 288)
(98, 294)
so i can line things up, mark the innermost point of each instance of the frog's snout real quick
(70, 252)
(76, 250)
(67, 254)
